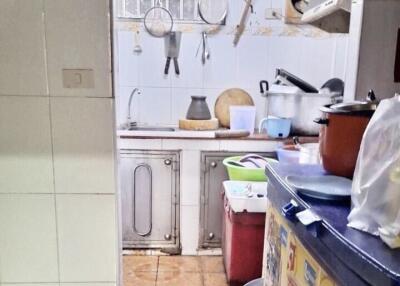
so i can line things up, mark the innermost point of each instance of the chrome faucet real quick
(129, 122)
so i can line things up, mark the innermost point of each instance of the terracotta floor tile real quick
(215, 279)
(212, 264)
(140, 263)
(140, 279)
(179, 264)
(179, 279)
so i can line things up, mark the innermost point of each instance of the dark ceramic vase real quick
(198, 109)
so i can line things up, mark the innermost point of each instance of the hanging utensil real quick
(213, 12)
(158, 21)
(242, 25)
(137, 49)
(172, 46)
(205, 54)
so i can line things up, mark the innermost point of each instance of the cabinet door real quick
(213, 175)
(149, 184)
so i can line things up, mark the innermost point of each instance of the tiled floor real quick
(173, 271)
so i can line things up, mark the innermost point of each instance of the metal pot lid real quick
(351, 108)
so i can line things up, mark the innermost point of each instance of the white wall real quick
(265, 46)
(57, 185)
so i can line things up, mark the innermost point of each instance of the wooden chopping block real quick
(233, 96)
(187, 124)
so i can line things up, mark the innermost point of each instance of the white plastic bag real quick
(376, 184)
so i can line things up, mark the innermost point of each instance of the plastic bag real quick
(376, 183)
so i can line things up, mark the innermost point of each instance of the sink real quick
(149, 128)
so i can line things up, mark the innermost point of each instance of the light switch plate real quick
(78, 78)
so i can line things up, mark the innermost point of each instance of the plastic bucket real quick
(243, 118)
(237, 173)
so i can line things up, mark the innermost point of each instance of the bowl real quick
(237, 173)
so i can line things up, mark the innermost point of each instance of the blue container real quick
(276, 127)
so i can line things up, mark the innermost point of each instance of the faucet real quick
(129, 122)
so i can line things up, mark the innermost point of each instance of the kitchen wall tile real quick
(23, 70)
(30, 284)
(220, 70)
(191, 68)
(190, 178)
(247, 145)
(87, 238)
(190, 229)
(88, 284)
(180, 101)
(25, 145)
(152, 63)
(251, 66)
(128, 61)
(31, 258)
(155, 106)
(317, 60)
(83, 145)
(77, 35)
(283, 52)
(190, 144)
(140, 144)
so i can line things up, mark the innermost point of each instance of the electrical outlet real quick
(273, 13)
(78, 78)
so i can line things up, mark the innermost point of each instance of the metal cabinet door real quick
(149, 195)
(213, 174)
(211, 209)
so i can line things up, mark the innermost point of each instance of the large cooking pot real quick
(342, 129)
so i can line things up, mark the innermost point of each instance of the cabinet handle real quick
(214, 164)
(211, 236)
(148, 168)
(167, 236)
(168, 162)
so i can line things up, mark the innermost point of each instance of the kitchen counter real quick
(202, 135)
(353, 257)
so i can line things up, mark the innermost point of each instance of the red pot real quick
(342, 129)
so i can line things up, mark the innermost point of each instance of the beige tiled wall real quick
(57, 185)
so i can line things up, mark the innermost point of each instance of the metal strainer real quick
(158, 21)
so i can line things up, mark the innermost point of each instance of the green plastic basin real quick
(237, 173)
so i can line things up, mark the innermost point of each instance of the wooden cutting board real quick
(233, 96)
(187, 124)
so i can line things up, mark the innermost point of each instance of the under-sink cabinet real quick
(149, 183)
(213, 174)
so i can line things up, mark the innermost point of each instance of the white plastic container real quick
(243, 118)
(246, 196)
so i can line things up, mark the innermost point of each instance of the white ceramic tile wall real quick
(316, 58)
(22, 56)
(83, 144)
(72, 239)
(84, 233)
(80, 35)
(28, 240)
(25, 145)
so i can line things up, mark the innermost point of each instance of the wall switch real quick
(78, 78)
(273, 13)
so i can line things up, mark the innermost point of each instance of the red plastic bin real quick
(242, 245)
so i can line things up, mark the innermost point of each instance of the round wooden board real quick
(187, 124)
(233, 96)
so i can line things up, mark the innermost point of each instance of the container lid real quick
(351, 108)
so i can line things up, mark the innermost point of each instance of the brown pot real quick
(341, 135)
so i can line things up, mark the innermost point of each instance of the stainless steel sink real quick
(151, 128)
